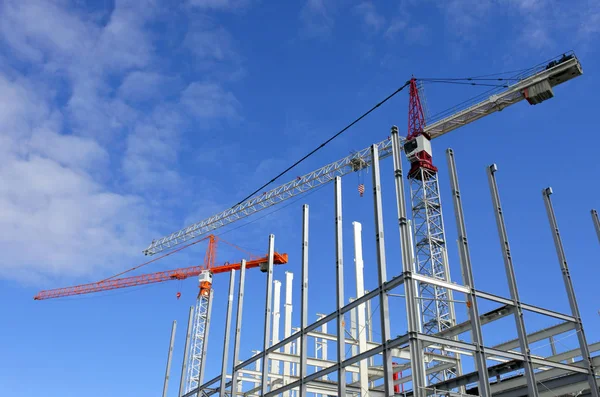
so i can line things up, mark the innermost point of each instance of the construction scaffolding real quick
(404, 364)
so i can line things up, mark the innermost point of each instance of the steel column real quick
(467, 271)
(353, 337)
(265, 361)
(413, 315)
(363, 372)
(276, 322)
(304, 301)
(238, 328)
(562, 260)
(339, 287)
(596, 223)
(384, 309)
(169, 357)
(287, 326)
(512, 282)
(186, 351)
(223, 386)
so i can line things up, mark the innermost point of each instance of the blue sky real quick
(122, 121)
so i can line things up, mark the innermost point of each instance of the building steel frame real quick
(498, 369)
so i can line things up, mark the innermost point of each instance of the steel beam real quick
(287, 325)
(384, 307)
(562, 260)
(596, 221)
(363, 373)
(169, 357)
(265, 356)
(223, 387)
(339, 287)
(186, 351)
(467, 271)
(413, 315)
(276, 321)
(525, 306)
(512, 282)
(238, 328)
(304, 301)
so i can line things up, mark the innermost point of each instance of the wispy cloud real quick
(90, 132)
(538, 25)
(220, 4)
(371, 18)
(317, 18)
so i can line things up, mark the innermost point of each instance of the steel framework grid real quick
(415, 340)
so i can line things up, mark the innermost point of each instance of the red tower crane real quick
(202, 310)
(166, 275)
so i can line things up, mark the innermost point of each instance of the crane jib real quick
(556, 72)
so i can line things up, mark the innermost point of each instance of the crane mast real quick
(430, 259)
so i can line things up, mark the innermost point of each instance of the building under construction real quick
(438, 350)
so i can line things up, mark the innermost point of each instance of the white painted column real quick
(354, 336)
(363, 370)
(287, 327)
(276, 316)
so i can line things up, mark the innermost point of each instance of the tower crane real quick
(202, 310)
(535, 85)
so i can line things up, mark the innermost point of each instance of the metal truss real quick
(557, 74)
(416, 353)
(437, 312)
(561, 71)
(301, 184)
(199, 341)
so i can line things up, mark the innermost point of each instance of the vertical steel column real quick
(186, 351)
(287, 326)
(304, 301)
(417, 361)
(354, 337)
(384, 309)
(169, 357)
(512, 282)
(562, 260)
(596, 223)
(276, 322)
(467, 271)
(223, 388)
(339, 256)
(363, 365)
(265, 361)
(205, 344)
(369, 325)
(238, 328)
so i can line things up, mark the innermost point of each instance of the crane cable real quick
(324, 143)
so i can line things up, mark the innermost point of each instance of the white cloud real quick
(55, 218)
(68, 150)
(210, 102)
(371, 18)
(142, 86)
(151, 156)
(317, 18)
(220, 4)
(90, 137)
(210, 43)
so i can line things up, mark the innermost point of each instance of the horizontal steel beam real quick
(531, 308)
